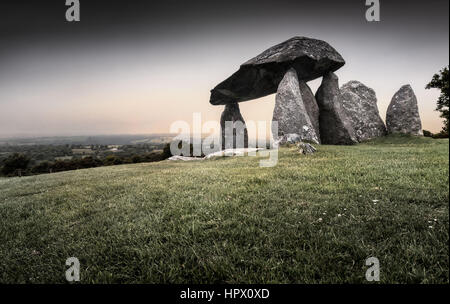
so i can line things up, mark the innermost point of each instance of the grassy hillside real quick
(310, 219)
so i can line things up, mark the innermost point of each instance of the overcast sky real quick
(138, 66)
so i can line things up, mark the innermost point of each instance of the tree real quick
(427, 133)
(166, 152)
(15, 164)
(136, 159)
(112, 160)
(43, 167)
(441, 81)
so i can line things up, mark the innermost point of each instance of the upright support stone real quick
(335, 127)
(290, 111)
(233, 128)
(311, 106)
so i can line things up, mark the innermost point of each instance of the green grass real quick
(310, 219)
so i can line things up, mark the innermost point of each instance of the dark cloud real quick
(45, 20)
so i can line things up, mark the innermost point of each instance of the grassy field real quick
(310, 219)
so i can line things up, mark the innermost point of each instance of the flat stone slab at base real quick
(233, 152)
(222, 153)
(185, 158)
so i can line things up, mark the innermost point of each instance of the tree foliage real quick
(441, 81)
(15, 164)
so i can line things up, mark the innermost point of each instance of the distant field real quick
(310, 219)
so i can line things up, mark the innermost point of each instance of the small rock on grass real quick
(305, 148)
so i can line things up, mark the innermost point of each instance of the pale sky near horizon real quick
(135, 74)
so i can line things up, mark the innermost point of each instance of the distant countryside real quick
(29, 156)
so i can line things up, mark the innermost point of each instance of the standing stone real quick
(233, 128)
(360, 105)
(335, 127)
(402, 115)
(311, 106)
(290, 111)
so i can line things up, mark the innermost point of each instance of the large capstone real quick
(360, 105)
(335, 126)
(260, 76)
(402, 115)
(291, 113)
(233, 128)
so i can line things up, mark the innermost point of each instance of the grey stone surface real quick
(290, 112)
(184, 158)
(233, 152)
(305, 148)
(360, 105)
(402, 115)
(290, 138)
(309, 100)
(261, 75)
(236, 127)
(335, 127)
